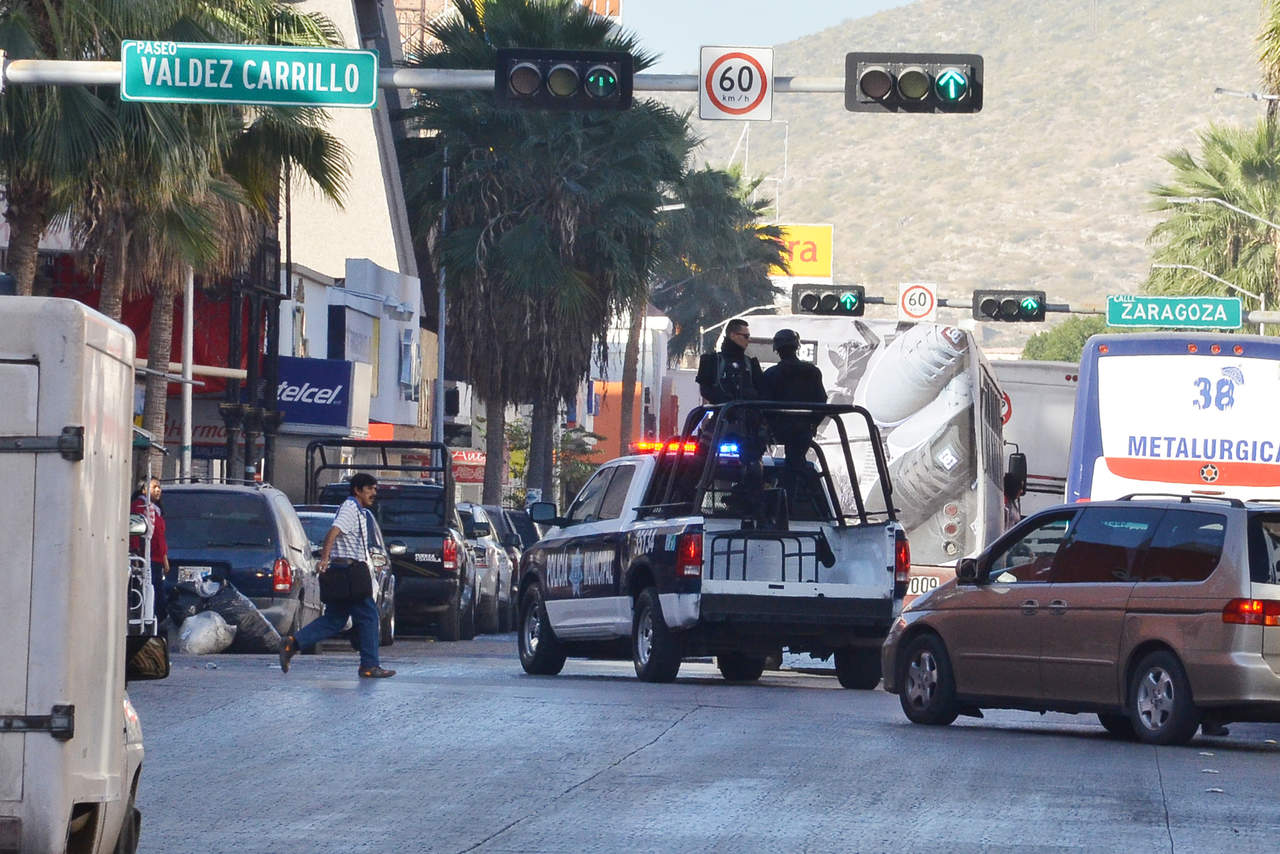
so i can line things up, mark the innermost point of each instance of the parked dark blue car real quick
(248, 535)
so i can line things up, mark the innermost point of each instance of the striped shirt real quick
(353, 541)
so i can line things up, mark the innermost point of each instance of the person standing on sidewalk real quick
(146, 502)
(347, 539)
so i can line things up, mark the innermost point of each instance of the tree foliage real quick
(1064, 342)
(1240, 166)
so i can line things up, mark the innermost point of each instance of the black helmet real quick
(786, 338)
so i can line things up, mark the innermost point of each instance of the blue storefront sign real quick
(315, 391)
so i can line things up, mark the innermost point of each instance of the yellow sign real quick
(809, 249)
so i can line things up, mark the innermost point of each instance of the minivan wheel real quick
(540, 650)
(926, 685)
(1160, 706)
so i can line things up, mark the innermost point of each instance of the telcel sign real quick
(314, 391)
(1174, 312)
(202, 73)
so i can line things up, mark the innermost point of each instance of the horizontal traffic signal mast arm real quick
(107, 73)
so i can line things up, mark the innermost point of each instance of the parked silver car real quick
(493, 569)
(1156, 614)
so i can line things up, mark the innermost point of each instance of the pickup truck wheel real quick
(387, 628)
(737, 667)
(1118, 725)
(1160, 706)
(858, 668)
(451, 620)
(540, 650)
(655, 649)
(926, 685)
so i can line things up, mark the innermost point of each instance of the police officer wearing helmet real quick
(793, 381)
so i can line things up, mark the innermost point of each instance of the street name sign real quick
(736, 83)
(203, 73)
(1176, 312)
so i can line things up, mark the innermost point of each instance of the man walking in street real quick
(347, 541)
(793, 381)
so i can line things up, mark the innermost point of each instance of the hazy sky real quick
(677, 28)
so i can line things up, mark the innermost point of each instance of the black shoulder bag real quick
(347, 580)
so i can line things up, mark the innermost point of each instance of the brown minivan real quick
(1155, 613)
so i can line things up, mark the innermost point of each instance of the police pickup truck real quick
(681, 553)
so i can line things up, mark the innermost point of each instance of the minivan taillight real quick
(689, 555)
(282, 576)
(1252, 612)
(901, 564)
(449, 554)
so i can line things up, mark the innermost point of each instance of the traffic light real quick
(842, 300)
(913, 82)
(547, 79)
(1009, 306)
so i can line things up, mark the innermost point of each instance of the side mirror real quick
(137, 525)
(481, 529)
(543, 512)
(1015, 476)
(511, 541)
(395, 548)
(316, 551)
(967, 571)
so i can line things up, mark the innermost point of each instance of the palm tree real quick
(712, 259)
(550, 216)
(1241, 166)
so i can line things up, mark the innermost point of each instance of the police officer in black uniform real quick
(731, 375)
(794, 381)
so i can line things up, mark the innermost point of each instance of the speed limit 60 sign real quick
(736, 83)
(917, 302)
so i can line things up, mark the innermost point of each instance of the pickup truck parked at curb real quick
(665, 556)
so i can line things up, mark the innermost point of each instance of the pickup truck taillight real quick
(901, 565)
(1252, 612)
(449, 554)
(689, 555)
(281, 576)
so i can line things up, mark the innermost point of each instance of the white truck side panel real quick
(73, 648)
(1038, 413)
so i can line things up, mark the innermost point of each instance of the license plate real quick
(425, 557)
(193, 573)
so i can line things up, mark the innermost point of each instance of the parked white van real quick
(70, 743)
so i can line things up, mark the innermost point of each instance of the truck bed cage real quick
(432, 450)
(723, 424)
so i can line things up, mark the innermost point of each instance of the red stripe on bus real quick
(1196, 472)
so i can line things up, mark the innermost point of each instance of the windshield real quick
(316, 525)
(197, 519)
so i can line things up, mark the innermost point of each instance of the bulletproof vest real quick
(733, 377)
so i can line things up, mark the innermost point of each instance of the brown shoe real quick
(288, 649)
(375, 673)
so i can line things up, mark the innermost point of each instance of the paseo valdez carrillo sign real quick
(203, 73)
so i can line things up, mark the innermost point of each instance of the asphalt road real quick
(463, 752)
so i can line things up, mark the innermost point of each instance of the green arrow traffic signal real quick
(848, 301)
(951, 85)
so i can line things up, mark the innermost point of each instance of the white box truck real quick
(1039, 400)
(70, 743)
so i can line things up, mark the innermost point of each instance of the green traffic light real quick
(848, 301)
(601, 82)
(951, 85)
(1030, 305)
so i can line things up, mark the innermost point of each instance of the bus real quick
(1176, 412)
(936, 402)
